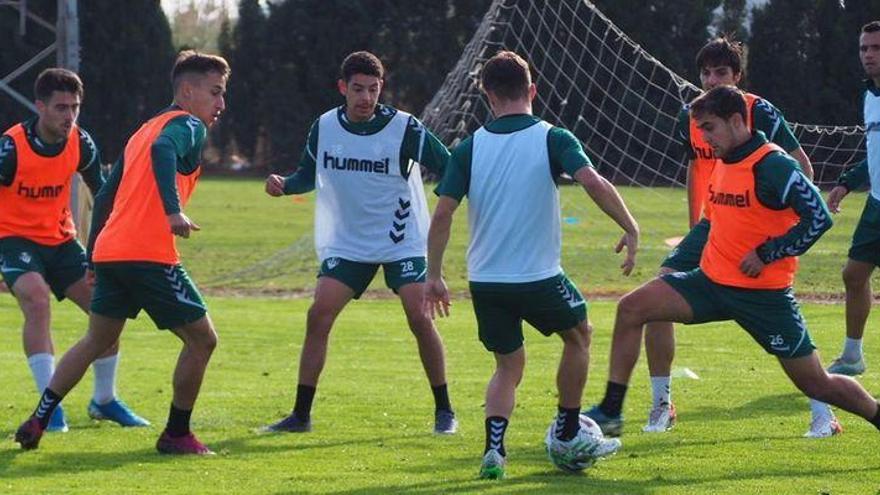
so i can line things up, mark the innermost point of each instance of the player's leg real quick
(657, 300)
(24, 271)
(339, 281)
(67, 277)
(660, 336)
(807, 374)
(863, 256)
(102, 333)
(660, 351)
(500, 330)
(773, 318)
(406, 277)
(500, 400)
(199, 341)
(857, 282)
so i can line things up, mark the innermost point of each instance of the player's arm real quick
(780, 184)
(452, 188)
(567, 155)
(693, 208)
(854, 178)
(90, 162)
(423, 147)
(178, 146)
(303, 180)
(682, 133)
(769, 120)
(8, 161)
(104, 200)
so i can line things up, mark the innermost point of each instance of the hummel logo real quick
(400, 214)
(25, 257)
(332, 263)
(43, 408)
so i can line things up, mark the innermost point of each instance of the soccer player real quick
(720, 62)
(864, 253)
(132, 246)
(364, 160)
(39, 253)
(764, 213)
(507, 169)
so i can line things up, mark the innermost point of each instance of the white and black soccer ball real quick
(576, 455)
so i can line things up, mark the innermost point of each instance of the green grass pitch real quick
(740, 422)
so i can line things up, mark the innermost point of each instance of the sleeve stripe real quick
(794, 177)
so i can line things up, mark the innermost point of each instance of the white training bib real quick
(513, 208)
(365, 209)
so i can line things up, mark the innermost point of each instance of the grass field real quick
(242, 227)
(740, 422)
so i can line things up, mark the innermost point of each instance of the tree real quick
(245, 52)
(670, 30)
(126, 66)
(732, 21)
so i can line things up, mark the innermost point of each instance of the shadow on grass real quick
(790, 404)
(52, 462)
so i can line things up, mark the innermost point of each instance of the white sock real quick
(42, 366)
(105, 379)
(820, 409)
(661, 388)
(852, 350)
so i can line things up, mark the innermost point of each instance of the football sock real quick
(178, 422)
(48, 402)
(660, 387)
(819, 409)
(496, 426)
(105, 379)
(567, 423)
(42, 366)
(852, 350)
(441, 398)
(876, 419)
(612, 403)
(305, 394)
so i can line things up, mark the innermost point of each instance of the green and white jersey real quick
(508, 170)
(868, 170)
(872, 140)
(368, 208)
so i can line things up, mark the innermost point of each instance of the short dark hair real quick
(193, 62)
(719, 52)
(361, 62)
(721, 101)
(57, 79)
(871, 27)
(506, 75)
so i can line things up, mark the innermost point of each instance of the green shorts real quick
(550, 305)
(772, 317)
(357, 275)
(165, 292)
(865, 245)
(686, 256)
(61, 266)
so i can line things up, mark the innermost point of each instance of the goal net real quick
(594, 80)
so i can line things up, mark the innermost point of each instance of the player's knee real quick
(34, 302)
(579, 336)
(631, 308)
(318, 321)
(854, 278)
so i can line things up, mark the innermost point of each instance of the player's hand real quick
(751, 265)
(835, 197)
(90, 277)
(275, 185)
(436, 302)
(631, 243)
(181, 225)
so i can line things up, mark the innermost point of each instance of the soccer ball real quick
(578, 453)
